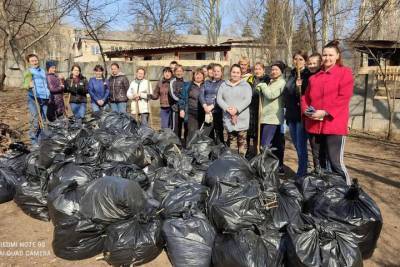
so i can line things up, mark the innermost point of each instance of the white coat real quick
(143, 89)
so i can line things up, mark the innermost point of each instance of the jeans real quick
(97, 108)
(268, 133)
(165, 115)
(35, 132)
(299, 138)
(144, 119)
(119, 107)
(79, 110)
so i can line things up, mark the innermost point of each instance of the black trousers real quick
(178, 124)
(218, 127)
(278, 142)
(319, 154)
(195, 120)
(334, 149)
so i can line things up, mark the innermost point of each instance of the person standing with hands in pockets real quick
(140, 92)
(325, 105)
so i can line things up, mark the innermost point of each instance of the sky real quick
(124, 21)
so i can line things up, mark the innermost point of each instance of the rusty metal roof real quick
(144, 51)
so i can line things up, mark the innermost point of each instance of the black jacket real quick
(291, 95)
(78, 91)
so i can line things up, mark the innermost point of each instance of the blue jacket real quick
(209, 93)
(39, 79)
(98, 89)
(184, 97)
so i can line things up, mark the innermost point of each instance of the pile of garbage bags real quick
(113, 187)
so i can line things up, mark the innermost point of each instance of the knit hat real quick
(50, 64)
(280, 65)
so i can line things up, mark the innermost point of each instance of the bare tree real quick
(25, 23)
(207, 15)
(92, 16)
(163, 18)
(3, 62)
(287, 18)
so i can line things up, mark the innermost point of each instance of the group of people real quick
(250, 107)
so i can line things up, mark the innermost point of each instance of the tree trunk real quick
(10, 39)
(334, 19)
(3, 64)
(324, 5)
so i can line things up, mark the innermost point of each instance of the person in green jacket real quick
(272, 105)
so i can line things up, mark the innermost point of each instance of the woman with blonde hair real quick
(244, 64)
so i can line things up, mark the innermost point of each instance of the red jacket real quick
(330, 91)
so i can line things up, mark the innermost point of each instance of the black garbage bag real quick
(289, 203)
(127, 150)
(75, 238)
(134, 241)
(88, 150)
(313, 185)
(146, 135)
(51, 148)
(110, 199)
(233, 207)
(274, 241)
(166, 180)
(351, 206)
(15, 157)
(265, 166)
(64, 201)
(31, 197)
(200, 147)
(64, 128)
(183, 199)
(8, 181)
(241, 249)
(68, 171)
(321, 243)
(189, 240)
(118, 122)
(78, 239)
(33, 168)
(179, 161)
(230, 168)
(153, 157)
(126, 171)
(166, 140)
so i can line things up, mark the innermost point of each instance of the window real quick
(95, 50)
(200, 56)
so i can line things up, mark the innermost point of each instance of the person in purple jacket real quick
(98, 90)
(56, 107)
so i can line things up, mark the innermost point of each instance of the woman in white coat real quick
(140, 92)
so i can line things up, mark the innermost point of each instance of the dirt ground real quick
(375, 163)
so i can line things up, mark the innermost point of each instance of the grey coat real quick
(238, 96)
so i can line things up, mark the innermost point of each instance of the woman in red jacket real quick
(325, 105)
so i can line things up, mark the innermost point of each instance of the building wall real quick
(378, 120)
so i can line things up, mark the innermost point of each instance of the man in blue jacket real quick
(35, 82)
